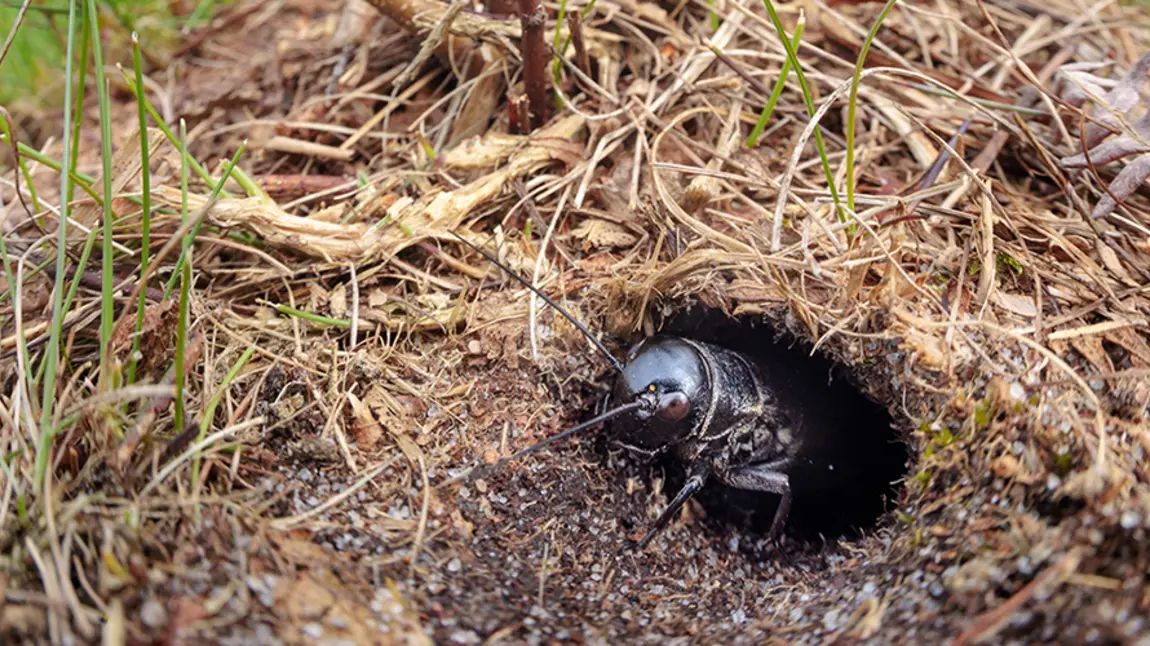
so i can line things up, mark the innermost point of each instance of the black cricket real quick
(708, 406)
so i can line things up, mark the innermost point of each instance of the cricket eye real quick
(673, 407)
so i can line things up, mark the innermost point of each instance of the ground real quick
(985, 330)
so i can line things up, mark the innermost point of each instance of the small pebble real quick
(153, 614)
(1130, 519)
(312, 629)
(454, 565)
(831, 620)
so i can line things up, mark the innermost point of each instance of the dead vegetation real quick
(1004, 327)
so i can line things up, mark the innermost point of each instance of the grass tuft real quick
(777, 91)
(808, 99)
(31, 72)
(852, 102)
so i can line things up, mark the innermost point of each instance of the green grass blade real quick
(251, 188)
(314, 318)
(82, 85)
(79, 179)
(52, 351)
(85, 254)
(146, 195)
(107, 285)
(776, 91)
(28, 275)
(228, 171)
(561, 50)
(233, 372)
(29, 185)
(10, 277)
(810, 103)
(556, 65)
(248, 184)
(37, 209)
(171, 136)
(210, 411)
(559, 22)
(852, 102)
(185, 283)
(202, 12)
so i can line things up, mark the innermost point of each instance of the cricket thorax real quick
(747, 425)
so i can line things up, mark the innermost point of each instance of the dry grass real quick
(374, 357)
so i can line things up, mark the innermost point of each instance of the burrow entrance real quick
(849, 475)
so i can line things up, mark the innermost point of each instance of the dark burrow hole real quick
(849, 473)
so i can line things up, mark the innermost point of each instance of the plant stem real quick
(582, 58)
(534, 51)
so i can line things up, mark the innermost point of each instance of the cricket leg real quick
(694, 483)
(766, 478)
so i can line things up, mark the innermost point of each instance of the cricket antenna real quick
(526, 283)
(611, 414)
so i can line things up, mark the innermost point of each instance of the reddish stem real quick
(534, 51)
(582, 59)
